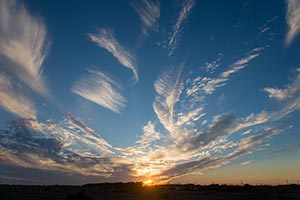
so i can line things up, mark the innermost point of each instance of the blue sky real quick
(174, 91)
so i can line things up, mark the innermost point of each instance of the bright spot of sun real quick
(148, 182)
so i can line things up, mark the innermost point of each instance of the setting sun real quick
(148, 183)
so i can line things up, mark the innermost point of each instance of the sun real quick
(148, 182)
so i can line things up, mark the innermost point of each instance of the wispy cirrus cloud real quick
(168, 87)
(293, 20)
(14, 100)
(23, 48)
(23, 45)
(174, 36)
(149, 12)
(266, 28)
(240, 64)
(101, 89)
(207, 85)
(105, 38)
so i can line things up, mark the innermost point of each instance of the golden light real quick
(148, 182)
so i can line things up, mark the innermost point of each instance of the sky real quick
(181, 91)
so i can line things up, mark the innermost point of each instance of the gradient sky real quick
(181, 91)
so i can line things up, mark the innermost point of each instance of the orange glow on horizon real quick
(148, 182)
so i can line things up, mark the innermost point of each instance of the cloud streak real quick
(207, 85)
(293, 20)
(23, 48)
(14, 100)
(174, 36)
(23, 45)
(106, 39)
(99, 88)
(149, 12)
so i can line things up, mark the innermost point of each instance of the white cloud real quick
(168, 87)
(246, 132)
(290, 91)
(207, 85)
(247, 162)
(23, 45)
(149, 12)
(14, 101)
(150, 135)
(278, 94)
(106, 39)
(100, 89)
(178, 26)
(240, 64)
(292, 19)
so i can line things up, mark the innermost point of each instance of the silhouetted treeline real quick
(136, 190)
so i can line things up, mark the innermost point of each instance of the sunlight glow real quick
(148, 182)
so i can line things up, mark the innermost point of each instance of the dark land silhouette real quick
(136, 191)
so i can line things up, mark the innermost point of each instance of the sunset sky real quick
(177, 91)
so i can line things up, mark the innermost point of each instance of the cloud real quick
(23, 45)
(56, 147)
(149, 12)
(173, 38)
(289, 97)
(293, 20)
(106, 39)
(247, 162)
(150, 135)
(168, 87)
(100, 89)
(240, 64)
(14, 100)
(289, 92)
(210, 67)
(185, 146)
(267, 27)
(207, 85)
(212, 160)
(23, 48)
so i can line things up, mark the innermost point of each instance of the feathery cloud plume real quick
(178, 26)
(100, 89)
(14, 101)
(292, 19)
(149, 12)
(23, 48)
(106, 39)
(23, 45)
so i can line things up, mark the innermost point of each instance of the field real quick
(135, 191)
